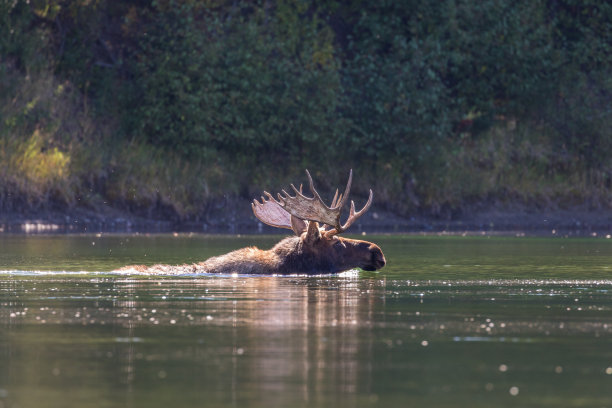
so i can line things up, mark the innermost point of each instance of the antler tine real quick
(298, 192)
(314, 191)
(347, 191)
(333, 204)
(353, 216)
(270, 198)
(263, 200)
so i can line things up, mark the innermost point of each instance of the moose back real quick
(316, 247)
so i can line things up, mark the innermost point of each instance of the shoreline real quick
(238, 220)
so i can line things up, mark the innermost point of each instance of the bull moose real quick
(316, 247)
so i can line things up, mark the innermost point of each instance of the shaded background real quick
(165, 108)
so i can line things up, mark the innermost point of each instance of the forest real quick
(162, 108)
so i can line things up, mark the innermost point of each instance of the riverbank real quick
(237, 218)
(122, 131)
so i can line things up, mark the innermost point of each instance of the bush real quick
(156, 106)
(35, 159)
(208, 81)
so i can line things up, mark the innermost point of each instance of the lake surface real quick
(449, 322)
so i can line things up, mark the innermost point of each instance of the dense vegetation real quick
(161, 107)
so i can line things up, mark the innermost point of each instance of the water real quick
(450, 322)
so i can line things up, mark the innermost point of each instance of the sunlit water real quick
(451, 321)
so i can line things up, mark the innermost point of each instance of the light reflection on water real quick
(421, 336)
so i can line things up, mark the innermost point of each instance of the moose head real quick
(317, 227)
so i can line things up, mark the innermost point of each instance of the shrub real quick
(206, 82)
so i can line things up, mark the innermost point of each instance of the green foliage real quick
(580, 118)
(53, 155)
(156, 105)
(22, 43)
(395, 101)
(518, 165)
(213, 82)
(35, 166)
(501, 58)
(582, 32)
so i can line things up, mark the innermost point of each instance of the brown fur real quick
(310, 253)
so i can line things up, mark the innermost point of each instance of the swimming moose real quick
(316, 247)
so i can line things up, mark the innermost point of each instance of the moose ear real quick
(298, 225)
(313, 234)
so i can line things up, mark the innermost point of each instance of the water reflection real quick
(271, 341)
(302, 337)
(260, 339)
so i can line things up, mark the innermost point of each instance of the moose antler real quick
(271, 213)
(314, 209)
